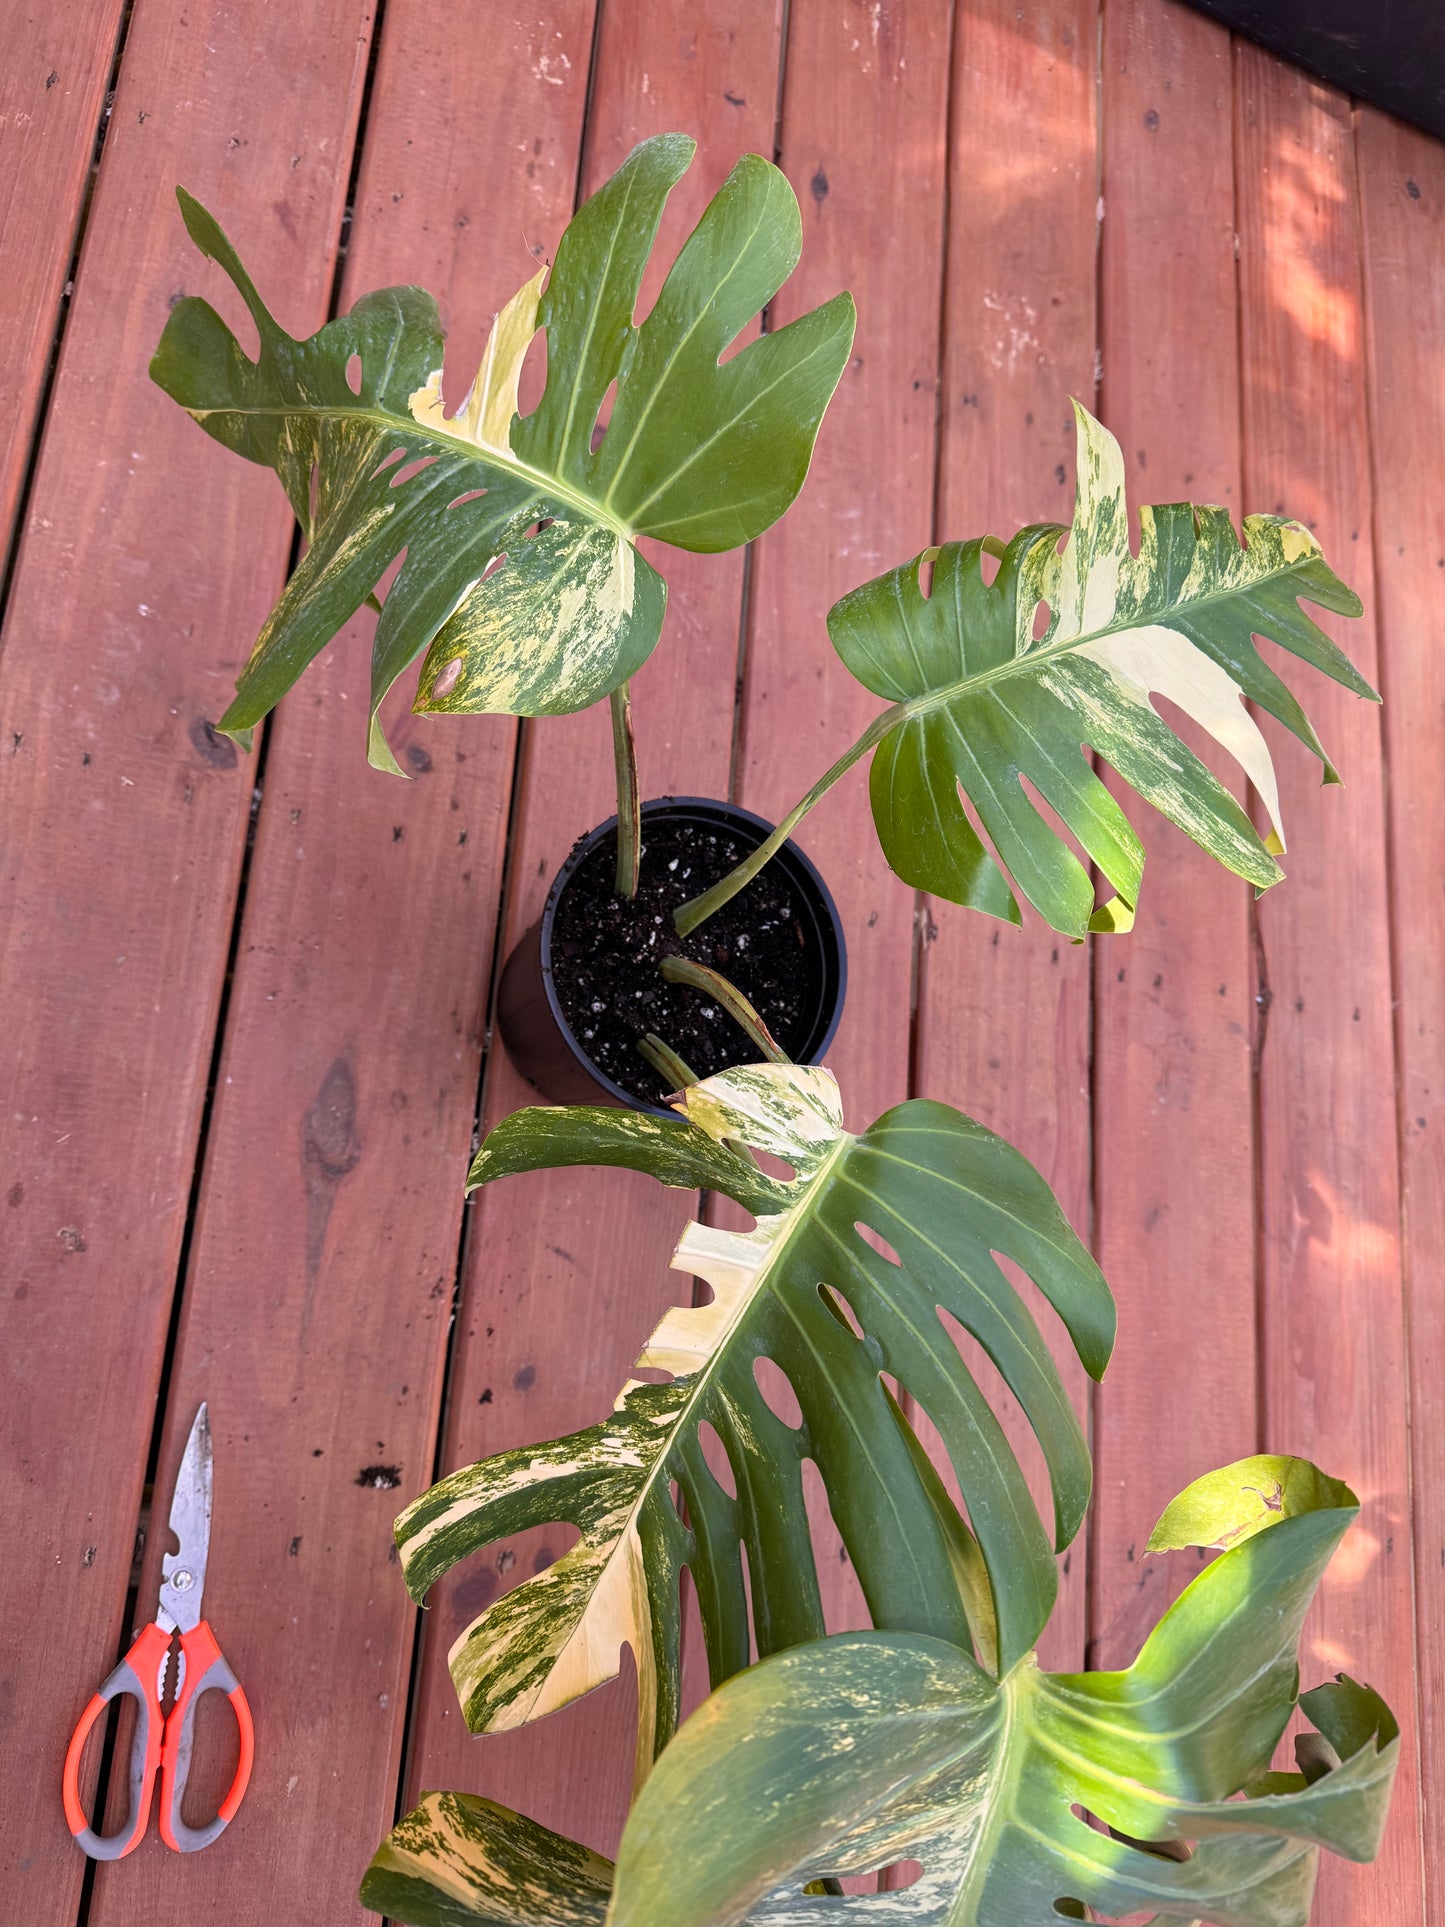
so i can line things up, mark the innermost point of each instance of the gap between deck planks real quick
(55, 67)
(146, 567)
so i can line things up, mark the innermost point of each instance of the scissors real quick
(162, 1741)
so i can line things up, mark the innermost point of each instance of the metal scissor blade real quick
(184, 1572)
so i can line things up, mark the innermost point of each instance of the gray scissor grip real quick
(217, 1677)
(110, 1846)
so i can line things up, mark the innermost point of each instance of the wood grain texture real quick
(867, 157)
(147, 565)
(1402, 202)
(319, 1301)
(1003, 1015)
(55, 63)
(1335, 1373)
(567, 1272)
(1174, 1179)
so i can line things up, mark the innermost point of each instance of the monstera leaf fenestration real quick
(521, 578)
(983, 704)
(807, 1290)
(868, 1749)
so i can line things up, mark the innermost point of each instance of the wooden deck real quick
(245, 1000)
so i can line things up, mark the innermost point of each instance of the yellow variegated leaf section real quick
(485, 417)
(458, 1861)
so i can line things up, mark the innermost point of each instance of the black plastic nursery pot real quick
(582, 985)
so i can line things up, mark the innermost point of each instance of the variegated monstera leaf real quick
(982, 704)
(806, 1289)
(868, 1749)
(522, 580)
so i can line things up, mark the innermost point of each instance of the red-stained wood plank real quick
(1174, 1181)
(1003, 1015)
(1333, 1332)
(146, 567)
(1402, 200)
(55, 63)
(320, 1293)
(867, 155)
(567, 1271)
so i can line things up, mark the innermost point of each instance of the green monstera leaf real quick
(522, 581)
(806, 1289)
(871, 1748)
(983, 704)
(1025, 1800)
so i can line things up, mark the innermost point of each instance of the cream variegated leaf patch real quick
(984, 707)
(519, 579)
(485, 417)
(807, 1290)
(459, 1861)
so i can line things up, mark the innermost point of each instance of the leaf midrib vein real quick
(408, 425)
(1030, 660)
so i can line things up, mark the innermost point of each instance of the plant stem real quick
(688, 916)
(682, 970)
(629, 798)
(671, 1068)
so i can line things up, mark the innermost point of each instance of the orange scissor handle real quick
(139, 1675)
(206, 1671)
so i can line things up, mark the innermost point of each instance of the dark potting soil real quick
(605, 953)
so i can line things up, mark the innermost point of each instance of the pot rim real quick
(682, 805)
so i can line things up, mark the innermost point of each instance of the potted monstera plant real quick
(523, 590)
(1023, 1797)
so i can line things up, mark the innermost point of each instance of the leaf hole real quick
(604, 416)
(1043, 616)
(841, 1310)
(877, 1241)
(926, 563)
(778, 1394)
(497, 562)
(898, 1878)
(388, 461)
(876, 1884)
(471, 495)
(1063, 831)
(531, 534)
(494, 1570)
(1000, 1400)
(353, 374)
(404, 474)
(844, 1605)
(989, 563)
(532, 378)
(772, 1166)
(715, 1457)
(747, 1574)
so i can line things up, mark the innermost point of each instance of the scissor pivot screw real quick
(183, 1580)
